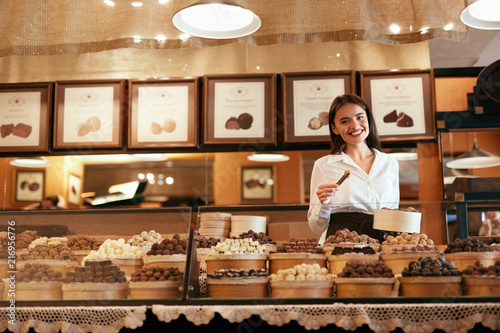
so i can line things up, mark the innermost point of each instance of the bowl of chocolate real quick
(480, 280)
(365, 279)
(430, 277)
(237, 283)
(156, 282)
(465, 252)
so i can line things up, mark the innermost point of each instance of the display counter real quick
(189, 301)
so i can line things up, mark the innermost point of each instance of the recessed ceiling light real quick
(109, 3)
(31, 162)
(137, 4)
(268, 157)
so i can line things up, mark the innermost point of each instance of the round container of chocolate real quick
(38, 291)
(279, 261)
(354, 247)
(481, 285)
(301, 289)
(365, 287)
(399, 260)
(396, 220)
(462, 260)
(337, 262)
(430, 286)
(235, 261)
(242, 287)
(129, 266)
(94, 291)
(403, 247)
(170, 260)
(154, 289)
(4, 268)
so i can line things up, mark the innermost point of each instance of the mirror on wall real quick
(183, 179)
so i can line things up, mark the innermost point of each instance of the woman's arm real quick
(318, 215)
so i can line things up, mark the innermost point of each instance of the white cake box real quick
(397, 220)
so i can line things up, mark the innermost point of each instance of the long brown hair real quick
(337, 144)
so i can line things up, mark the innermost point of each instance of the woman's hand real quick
(325, 191)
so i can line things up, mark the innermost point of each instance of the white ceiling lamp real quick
(31, 162)
(268, 157)
(214, 19)
(403, 154)
(482, 14)
(474, 159)
(149, 157)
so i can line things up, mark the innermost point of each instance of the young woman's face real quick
(351, 123)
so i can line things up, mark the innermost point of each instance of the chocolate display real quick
(303, 272)
(467, 245)
(38, 273)
(338, 250)
(176, 245)
(96, 271)
(24, 239)
(83, 242)
(156, 273)
(347, 236)
(260, 237)
(145, 238)
(408, 239)
(479, 270)
(205, 243)
(431, 267)
(301, 245)
(55, 252)
(237, 273)
(366, 269)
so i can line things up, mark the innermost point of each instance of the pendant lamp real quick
(482, 14)
(474, 159)
(215, 19)
(268, 157)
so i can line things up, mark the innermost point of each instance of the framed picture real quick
(25, 115)
(257, 184)
(29, 185)
(239, 109)
(163, 113)
(74, 189)
(306, 103)
(402, 102)
(89, 114)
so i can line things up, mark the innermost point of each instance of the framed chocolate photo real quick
(257, 184)
(306, 103)
(29, 186)
(74, 189)
(239, 109)
(89, 114)
(163, 113)
(402, 102)
(25, 115)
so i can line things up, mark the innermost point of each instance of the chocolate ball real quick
(245, 120)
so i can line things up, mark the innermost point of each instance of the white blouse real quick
(360, 192)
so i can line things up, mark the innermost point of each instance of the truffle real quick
(22, 130)
(6, 130)
(404, 120)
(391, 117)
(323, 117)
(232, 124)
(245, 120)
(93, 123)
(155, 128)
(169, 125)
(314, 123)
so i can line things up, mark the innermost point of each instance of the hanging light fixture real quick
(216, 19)
(268, 157)
(482, 14)
(31, 162)
(474, 159)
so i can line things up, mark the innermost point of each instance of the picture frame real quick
(163, 113)
(25, 116)
(239, 110)
(74, 190)
(29, 186)
(89, 114)
(257, 184)
(402, 103)
(307, 97)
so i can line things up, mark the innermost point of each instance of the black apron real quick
(360, 222)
